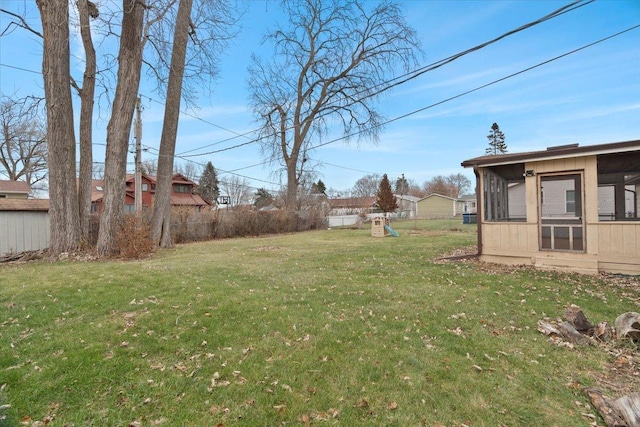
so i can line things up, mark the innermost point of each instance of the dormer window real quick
(182, 188)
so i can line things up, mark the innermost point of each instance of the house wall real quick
(14, 195)
(435, 207)
(23, 231)
(610, 246)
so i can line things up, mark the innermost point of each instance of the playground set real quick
(380, 228)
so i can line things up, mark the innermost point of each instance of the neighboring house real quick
(24, 225)
(567, 207)
(466, 204)
(407, 206)
(437, 206)
(14, 190)
(352, 206)
(182, 194)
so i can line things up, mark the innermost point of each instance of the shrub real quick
(133, 239)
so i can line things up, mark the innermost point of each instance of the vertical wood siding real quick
(23, 231)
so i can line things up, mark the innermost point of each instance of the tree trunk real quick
(86, 121)
(160, 227)
(119, 127)
(292, 182)
(63, 195)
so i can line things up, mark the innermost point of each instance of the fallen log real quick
(607, 412)
(629, 407)
(572, 335)
(547, 328)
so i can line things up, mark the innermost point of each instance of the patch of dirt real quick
(266, 248)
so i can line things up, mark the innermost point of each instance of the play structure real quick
(380, 228)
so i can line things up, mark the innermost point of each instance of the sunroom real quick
(567, 207)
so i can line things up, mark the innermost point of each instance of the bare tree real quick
(23, 141)
(189, 170)
(367, 186)
(119, 127)
(461, 183)
(237, 189)
(160, 222)
(86, 9)
(208, 27)
(452, 186)
(329, 65)
(63, 195)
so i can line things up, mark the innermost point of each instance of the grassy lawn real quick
(320, 328)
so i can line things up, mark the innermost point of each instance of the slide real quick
(391, 231)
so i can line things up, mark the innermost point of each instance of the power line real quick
(404, 78)
(384, 86)
(479, 87)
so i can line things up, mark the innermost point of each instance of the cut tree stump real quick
(574, 315)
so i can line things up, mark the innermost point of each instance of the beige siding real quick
(610, 246)
(435, 207)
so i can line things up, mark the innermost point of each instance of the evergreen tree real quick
(262, 198)
(402, 185)
(208, 187)
(496, 141)
(319, 188)
(386, 201)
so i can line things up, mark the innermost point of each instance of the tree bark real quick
(609, 414)
(63, 195)
(119, 127)
(86, 121)
(160, 228)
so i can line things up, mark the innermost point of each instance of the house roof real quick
(438, 195)
(551, 153)
(407, 197)
(17, 187)
(24, 205)
(353, 202)
(186, 199)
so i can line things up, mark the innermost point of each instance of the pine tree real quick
(262, 198)
(496, 141)
(319, 188)
(208, 186)
(386, 201)
(402, 185)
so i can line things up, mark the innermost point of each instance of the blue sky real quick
(588, 97)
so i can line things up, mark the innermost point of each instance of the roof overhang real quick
(553, 153)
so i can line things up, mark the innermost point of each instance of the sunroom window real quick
(618, 187)
(504, 193)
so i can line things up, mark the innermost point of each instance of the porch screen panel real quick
(619, 186)
(496, 197)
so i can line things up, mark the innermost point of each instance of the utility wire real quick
(478, 87)
(187, 158)
(404, 78)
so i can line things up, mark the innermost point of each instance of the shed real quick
(24, 225)
(568, 207)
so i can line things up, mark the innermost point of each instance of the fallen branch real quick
(607, 412)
